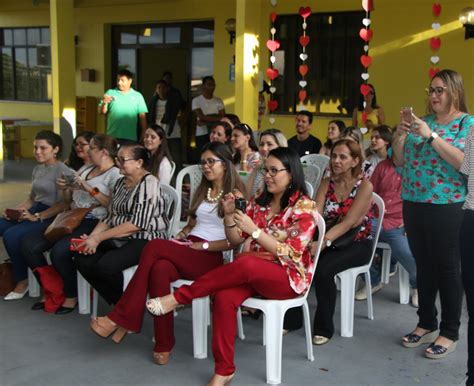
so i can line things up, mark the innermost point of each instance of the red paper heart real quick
(366, 60)
(435, 43)
(273, 17)
(433, 72)
(368, 5)
(272, 73)
(366, 34)
(364, 117)
(365, 89)
(302, 95)
(436, 8)
(303, 69)
(272, 105)
(304, 40)
(305, 12)
(273, 45)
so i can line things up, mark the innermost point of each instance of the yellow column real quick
(63, 68)
(246, 60)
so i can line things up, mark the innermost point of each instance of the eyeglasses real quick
(122, 160)
(272, 171)
(209, 162)
(80, 144)
(436, 90)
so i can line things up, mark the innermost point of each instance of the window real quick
(333, 59)
(25, 64)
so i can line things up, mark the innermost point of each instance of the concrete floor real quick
(43, 349)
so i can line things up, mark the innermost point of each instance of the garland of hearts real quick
(366, 34)
(303, 68)
(435, 42)
(272, 72)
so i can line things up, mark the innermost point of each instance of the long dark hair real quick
(292, 163)
(374, 104)
(247, 130)
(162, 151)
(231, 178)
(341, 126)
(73, 161)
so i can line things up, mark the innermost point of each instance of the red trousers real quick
(161, 263)
(231, 284)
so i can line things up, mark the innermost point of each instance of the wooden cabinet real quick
(86, 114)
(22, 135)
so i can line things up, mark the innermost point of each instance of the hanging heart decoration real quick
(368, 5)
(365, 75)
(366, 34)
(272, 73)
(305, 12)
(302, 83)
(304, 40)
(433, 71)
(302, 95)
(366, 60)
(273, 2)
(303, 57)
(303, 69)
(434, 59)
(273, 89)
(273, 16)
(271, 120)
(364, 117)
(435, 25)
(436, 8)
(365, 89)
(366, 21)
(273, 45)
(272, 105)
(435, 43)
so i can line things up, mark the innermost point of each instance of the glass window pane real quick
(150, 36)
(173, 35)
(202, 65)
(45, 38)
(126, 60)
(203, 35)
(33, 36)
(128, 37)
(19, 36)
(32, 57)
(6, 75)
(21, 78)
(8, 37)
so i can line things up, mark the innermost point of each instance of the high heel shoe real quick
(104, 327)
(161, 358)
(156, 307)
(221, 380)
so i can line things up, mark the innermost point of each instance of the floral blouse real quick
(293, 227)
(335, 210)
(428, 178)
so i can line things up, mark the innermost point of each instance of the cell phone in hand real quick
(13, 214)
(241, 204)
(69, 179)
(407, 114)
(76, 245)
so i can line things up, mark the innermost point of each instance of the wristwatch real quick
(205, 245)
(328, 243)
(38, 217)
(94, 192)
(432, 137)
(256, 233)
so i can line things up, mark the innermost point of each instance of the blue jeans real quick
(401, 253)
(13, 232)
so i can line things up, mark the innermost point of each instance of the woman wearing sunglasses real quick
(430, 151)
(196, 250)
(276, 229)
(136, 214)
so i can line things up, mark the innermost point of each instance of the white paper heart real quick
(273, 31)
(271, 120)
(434, 59)
(435, 25)
(302, 83)
(366, 48)
(365, 104)
(366, 22)
(272, 59)
(303, 57)
(304, 25)
(365, 76)
(273, 89)
(363, 130)
(273, 2)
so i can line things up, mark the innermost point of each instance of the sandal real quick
(413, 340)
(438, 351)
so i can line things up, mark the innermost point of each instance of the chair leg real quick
(240, 325)
(95, 303)
(33, 285)
(347, 305)
(370, 307)
(307, 329)
(83, 295)
(404, 284)
(200, 316)
(386, 257)
(273, 339)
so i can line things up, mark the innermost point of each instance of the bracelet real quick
(230, 225)
(38, 217)
(94, 192)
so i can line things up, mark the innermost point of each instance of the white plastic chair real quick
(312, 174)
(319, 160)
(173, 168)
(195, 176)
(349, 276)
(274, 314)
(403, 276)
(310, 189)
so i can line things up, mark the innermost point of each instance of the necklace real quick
(213, 199)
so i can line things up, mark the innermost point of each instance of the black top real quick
(310, 145)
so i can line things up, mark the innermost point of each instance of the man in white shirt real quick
(208, 109)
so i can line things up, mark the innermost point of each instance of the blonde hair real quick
(454, 89)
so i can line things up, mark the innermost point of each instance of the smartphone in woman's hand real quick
(407, 114)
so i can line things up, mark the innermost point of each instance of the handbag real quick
(53, 287)
(65, 223)
(344, 240)
(7, 279)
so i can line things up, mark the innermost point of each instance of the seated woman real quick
(156, 143)
(277, 229)
(269, 139)
(246, 155)
(232, 119)
(92, 186)
(335, 129)
(197, 249)
(79, 154)
(38, 210)
(137, 214)
(344, 199)
(380, 142)
(221, 132)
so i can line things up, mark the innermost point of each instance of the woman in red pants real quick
(197, 250)
(277, 230)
